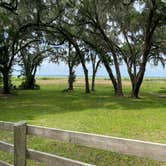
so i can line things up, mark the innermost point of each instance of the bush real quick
(26, 87)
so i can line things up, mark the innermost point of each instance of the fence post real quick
(20, 144)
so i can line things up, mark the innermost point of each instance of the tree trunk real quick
(94, 70)
(110, 73)
(87, 89)
(6, 83)
(140, 77)
(71, 79)
(135, 92)
(150, 28)
(118, 90)
(70, 88)
(93, 81)
(30, 82)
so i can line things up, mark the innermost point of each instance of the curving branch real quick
(10, 6)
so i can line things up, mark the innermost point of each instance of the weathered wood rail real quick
(21, 153)
(155, 151)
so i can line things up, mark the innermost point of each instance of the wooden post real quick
(20, 144)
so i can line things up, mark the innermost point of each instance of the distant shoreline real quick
(102, 76)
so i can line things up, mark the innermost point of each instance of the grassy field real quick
(99, 112)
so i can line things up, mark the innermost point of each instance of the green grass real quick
(99, 112)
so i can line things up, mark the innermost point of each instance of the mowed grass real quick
(99, 112)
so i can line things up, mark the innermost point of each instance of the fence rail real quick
(52, 160)
(155, 151)
(6, 147)
(21, 153)
(2, 163)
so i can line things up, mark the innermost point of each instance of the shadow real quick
(27, 105)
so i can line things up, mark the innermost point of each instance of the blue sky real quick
(50, 69)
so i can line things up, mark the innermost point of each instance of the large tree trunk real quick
(93, 81)
(95, 67)
(30, 74)
(136, 89)
(119, 79)
(140, 76)
(94, 70)
(113, 79)
(29, 82)
(87, 88)
(6, 82)
(119, 91)
(71, 79)
(72, 76)
(150, 28)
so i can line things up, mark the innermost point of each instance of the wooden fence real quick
(155, 151)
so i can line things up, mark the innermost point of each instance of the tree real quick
(11, 32)
(8, 46)
(95, 17)
(72, 61)
(67, 54)
(64, 27)
(112, 31)
(68, 35)
(95, 62)
(30, 58)
(95, 66)
(143, 32)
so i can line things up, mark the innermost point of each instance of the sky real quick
(50, 69)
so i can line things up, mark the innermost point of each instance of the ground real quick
(100, 112)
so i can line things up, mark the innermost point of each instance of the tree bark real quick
(87, 87)
(71, 79)
(6, 83)
(93, 81)
(135, 91)
(150, 28)
(138, 82)
(95, 67)
(30, 82)
(119, 91)
(113, 79)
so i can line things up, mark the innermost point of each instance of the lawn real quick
(99, 112)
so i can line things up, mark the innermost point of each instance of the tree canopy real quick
(108, 33)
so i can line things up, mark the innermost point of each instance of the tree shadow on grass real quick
(29, 104)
